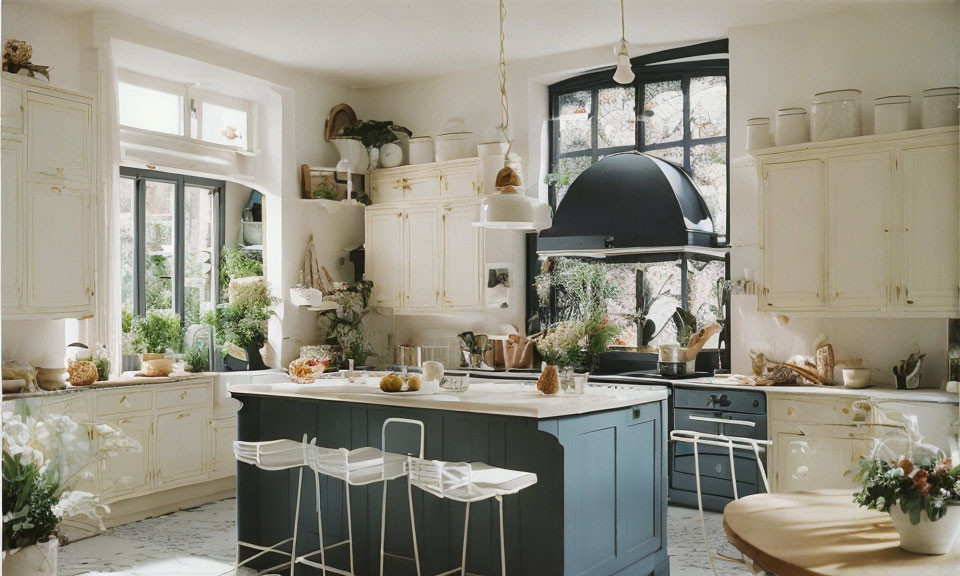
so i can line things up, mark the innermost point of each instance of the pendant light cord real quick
(623, 26)
(504, 105)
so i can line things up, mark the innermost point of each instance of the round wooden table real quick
(824, 533)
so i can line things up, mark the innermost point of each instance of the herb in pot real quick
(156, 333)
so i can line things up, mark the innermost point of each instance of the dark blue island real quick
(598, 508)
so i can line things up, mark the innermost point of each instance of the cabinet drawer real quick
(711, 486)
(167, 399)
(751, 402)
(386, 189)
(806, 411)
(460, 182)
(421, 187)
(119, 402)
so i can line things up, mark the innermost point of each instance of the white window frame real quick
(193, 99)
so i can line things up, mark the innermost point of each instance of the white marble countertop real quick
(125, 380)
(502, 397)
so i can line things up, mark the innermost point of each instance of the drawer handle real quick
(124, 402)
(182, 416)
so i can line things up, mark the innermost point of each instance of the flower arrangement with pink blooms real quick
(925, 482)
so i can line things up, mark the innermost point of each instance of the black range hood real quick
(630, 202)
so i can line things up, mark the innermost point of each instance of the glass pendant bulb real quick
(624, 73)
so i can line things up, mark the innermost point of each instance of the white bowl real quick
(857, 378)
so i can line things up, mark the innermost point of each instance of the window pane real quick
(150, 109)
(570, 168)
(222, 125)
(199, 218)
(617, 117)
(661, 278)
(702, 280)
(673, 154)
(159, 226)
(128, 189)
(708, 106)
(709, 165)
(574, 121)
(663, 112)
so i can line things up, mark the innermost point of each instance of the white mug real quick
(432, 370)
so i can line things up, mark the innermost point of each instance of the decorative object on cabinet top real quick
(341, 116)
(16, 57)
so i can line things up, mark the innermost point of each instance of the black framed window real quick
(681, 117)
(171, 234)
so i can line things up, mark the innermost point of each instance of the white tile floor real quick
(202, 541)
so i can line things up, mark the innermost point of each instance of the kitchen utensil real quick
(836, 114)
(940, 107)
(825, 363)
(455, 145)
(699, 340)
(421, 150)
(791, 126)
(857, 378)
(758, 133)
(341, 116)
(891, 114)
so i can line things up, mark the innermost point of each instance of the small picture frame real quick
(499, 280)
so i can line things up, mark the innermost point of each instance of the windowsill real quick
(175, 141)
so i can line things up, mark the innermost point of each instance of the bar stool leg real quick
(296, 523)
(413, 525)
(346, 488)
(466, 525)
(383, 524)
(503, 552)
(323, 551)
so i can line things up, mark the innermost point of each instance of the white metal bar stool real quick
(467, 483)
(358, 467)
(274, 455)
(731, 443)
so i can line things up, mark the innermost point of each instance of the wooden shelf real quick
(857, 140)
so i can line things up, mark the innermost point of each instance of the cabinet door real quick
(819, 458)
(384, 250)
(858, 209)
(58, 137)
(459, 182)
(223, 433)
(59, 250)
(180, 440)
(422, 243)
(931, 229)
(462, 256)
(11, 211)
(11, 102)
(128, 473)
(793, 236)
(79, 408)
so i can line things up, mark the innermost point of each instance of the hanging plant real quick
(374, 133)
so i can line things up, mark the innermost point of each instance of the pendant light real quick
(624, 73)
(510, 208)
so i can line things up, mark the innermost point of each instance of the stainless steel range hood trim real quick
(588, 253)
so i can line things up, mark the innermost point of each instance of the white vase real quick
(36, 560)
(374, 158)
(354, 152)
(927, 537)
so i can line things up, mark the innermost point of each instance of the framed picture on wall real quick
(499, 280)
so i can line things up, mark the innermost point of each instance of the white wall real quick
(881, 50)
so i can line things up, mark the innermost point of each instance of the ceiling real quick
(382, 42)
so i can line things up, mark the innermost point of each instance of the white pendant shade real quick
(513, 212)
(624, 73)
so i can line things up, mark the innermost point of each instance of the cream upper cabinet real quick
(858, 211)
(11, 275)
(59, 137)
(421, 234)
(60, 236)
(384, 255)
(49, 211)
(868, 227)
(930, 274)
(462, 256)
(793, 236)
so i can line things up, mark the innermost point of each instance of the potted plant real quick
(920, 491)
(40, 459)
(153, 336)
(242, 322)
(372, 134)
(344, 325)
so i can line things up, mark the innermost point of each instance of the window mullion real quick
(139, 246)
(594, 122)
(685, 89)
(178, 249)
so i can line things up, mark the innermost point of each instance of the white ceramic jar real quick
(836, 114)
(758, 133)
(940, 107)
(791, 127)
(456, 145)
(891, 114)
(421, 150)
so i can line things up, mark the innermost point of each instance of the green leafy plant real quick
(344, 325)
(374, 133)
(686, 324)
(198, 357)
(235, 263)
(646, 327)
(325, 192)
(156, 333)
(924, 483)
(243, 321)
(29, 498)
(126, 321)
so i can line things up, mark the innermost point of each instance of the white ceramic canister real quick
(758, 133)
(791, 127)
(421, 150)
(891, 114)
(836, 114)
(391, 155)
(456, 145)
(940, 107)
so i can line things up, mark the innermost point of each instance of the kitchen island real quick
(599, 505)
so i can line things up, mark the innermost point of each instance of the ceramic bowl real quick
(857, 378)
(51, 378)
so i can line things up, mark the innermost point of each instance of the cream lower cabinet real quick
(179, 447)
(223, 432)
(130, 473)
(425, 257)
(869, 226)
